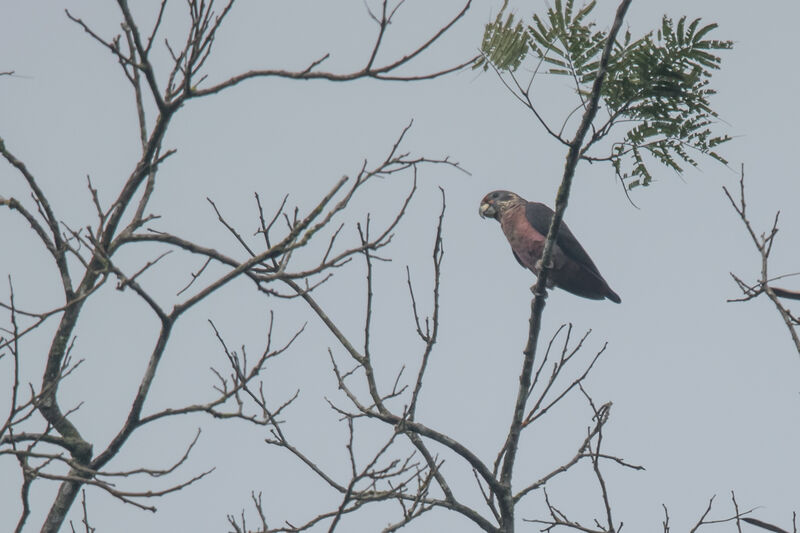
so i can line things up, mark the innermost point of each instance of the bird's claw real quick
(533, 290)
(539, 266)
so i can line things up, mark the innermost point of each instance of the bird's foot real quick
(533, 290)
(538, 266)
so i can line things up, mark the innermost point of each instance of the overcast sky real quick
(705, 392)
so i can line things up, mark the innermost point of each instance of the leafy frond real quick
(565, 40)
(505, 44)
(657, 85)
(662, 82)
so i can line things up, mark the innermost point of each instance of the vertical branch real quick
(25, 489)
(367, 361)
(8, 426)
(540, 289)
(602, 416)
(142, 52)
(429, 336)
(13, 345)
(431, 333)
(364, 235)
(136, 81)
(80, 449)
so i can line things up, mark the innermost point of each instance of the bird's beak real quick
(487, 210)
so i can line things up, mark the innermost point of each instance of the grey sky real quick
(705, 392)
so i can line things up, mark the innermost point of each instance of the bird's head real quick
(494, 203)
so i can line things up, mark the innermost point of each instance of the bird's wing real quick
(539, 216)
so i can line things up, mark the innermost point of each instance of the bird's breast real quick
(525, 241)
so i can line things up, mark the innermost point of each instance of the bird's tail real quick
(613, 296)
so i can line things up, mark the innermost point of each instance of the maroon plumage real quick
(525, 225)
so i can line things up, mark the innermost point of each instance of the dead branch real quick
(763, 244)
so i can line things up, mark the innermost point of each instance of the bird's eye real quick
(495, 195)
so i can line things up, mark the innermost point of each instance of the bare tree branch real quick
(540, 289)
(763, 244)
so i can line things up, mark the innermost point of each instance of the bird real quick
(525, 225)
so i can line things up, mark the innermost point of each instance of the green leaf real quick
(656, 94)
(504, 45)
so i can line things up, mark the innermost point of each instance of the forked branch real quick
(763, 243)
